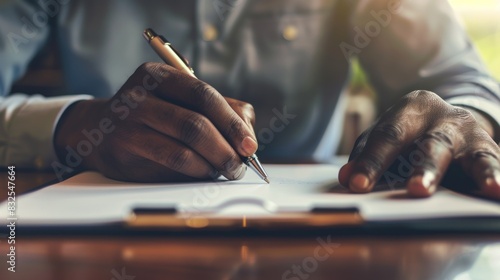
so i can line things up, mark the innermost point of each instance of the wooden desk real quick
(178, 257)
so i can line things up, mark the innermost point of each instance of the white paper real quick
(90, 198)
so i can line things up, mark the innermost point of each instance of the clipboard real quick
(300, 197)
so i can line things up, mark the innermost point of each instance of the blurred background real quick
(482, 22)
(481, 19)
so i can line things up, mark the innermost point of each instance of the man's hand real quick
(162, 125)
(431, 135)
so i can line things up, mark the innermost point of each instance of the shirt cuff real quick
(30, 129)
(483, 105)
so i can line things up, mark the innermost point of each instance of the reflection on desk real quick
(464, 257)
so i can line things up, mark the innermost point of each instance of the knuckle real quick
(137, 93)
(389, 132)
(429, 165)
(158, 71)
(359, 144)
(122, 137)
(441, 137)
(371, 164)
(127, 93)
(236, 128)
(422, 101)
(194, 127)
(120, 151)
(229, 164)
(205, 96)
(462, 114)
(422, 94)
(478, 154)
(247, 106)
(158, 154)
(179, 159)
(148, 67)
(250, 112)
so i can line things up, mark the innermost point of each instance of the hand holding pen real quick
(173, 58)
(162, 125)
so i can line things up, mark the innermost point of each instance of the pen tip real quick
(267, 180)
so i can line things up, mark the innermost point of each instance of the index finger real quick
(194, 94)
(385, 143)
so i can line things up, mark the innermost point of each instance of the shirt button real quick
(290, 33)
(210, 33)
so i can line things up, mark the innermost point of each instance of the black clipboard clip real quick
(150, 217)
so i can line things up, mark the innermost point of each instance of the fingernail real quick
(492, 183)
(249, 146)
(359, 182)
(427, 181)
(492, 187)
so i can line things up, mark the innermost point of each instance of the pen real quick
(173, 58)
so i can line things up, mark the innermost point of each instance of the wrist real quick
(69, 137)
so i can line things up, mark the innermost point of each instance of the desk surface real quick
(358, 257)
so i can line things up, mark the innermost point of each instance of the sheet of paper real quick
(90, 198)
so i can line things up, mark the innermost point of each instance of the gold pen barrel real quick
(166, 52)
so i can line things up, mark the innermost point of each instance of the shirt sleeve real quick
(411, 45)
